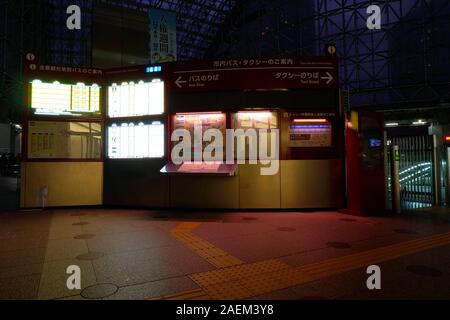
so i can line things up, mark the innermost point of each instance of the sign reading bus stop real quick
(254, 74)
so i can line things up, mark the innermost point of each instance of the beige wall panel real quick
(69, 183)
(312, 184)
(198, 191)
(257, 191)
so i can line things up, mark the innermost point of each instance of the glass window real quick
(136, 140)
(131, 99)
(64, 140)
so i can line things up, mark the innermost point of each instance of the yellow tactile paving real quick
(186, 226)
(251, 269)
(233, 290)
(224, 261)
(210, 278)
(216, 256)
(196, 294)
(248, 280)
(239, 272)
(366, 258)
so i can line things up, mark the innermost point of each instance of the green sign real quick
(396, 155)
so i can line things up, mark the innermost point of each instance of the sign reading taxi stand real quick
(254, 74)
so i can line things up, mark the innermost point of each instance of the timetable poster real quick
(136, 99)
(257, 120)
(205, 121)
(129, 140)
(64, 99)
(48, 139)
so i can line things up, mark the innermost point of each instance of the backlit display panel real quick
(130, 99)
(131, 140)
(64, 99)
(310, 133)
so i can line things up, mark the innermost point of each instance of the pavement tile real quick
(148, 265)
(19, 288)
(141, 256)
(154, 289)
(18, 271)
(22, 257)
(130, 241)
(64, 249)
(53, 282)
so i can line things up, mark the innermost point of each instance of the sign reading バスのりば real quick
(163, 36)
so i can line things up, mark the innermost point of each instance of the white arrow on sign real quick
(329, 77)
(179, 82)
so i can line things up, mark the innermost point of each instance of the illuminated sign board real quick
(136, 99)
(153, 69)
(310, 133)
(129, 140)
(64, 99)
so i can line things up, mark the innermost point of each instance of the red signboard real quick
(253, 74)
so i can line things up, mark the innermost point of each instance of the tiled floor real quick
(144, 254)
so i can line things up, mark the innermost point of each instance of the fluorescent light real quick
(310, 120)
(419, 123)
(392, 124)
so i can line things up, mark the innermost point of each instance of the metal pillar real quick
(436, 171)
(395, 179)
(447, 151)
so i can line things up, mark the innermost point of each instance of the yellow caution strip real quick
(196, 294)
(186, 227)
(358, 260)
(253, 279)
(217, 257)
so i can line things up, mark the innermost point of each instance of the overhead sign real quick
(163, 36)
(253, 74)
